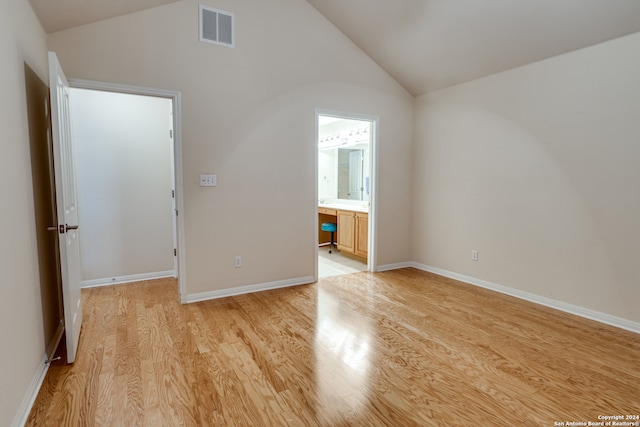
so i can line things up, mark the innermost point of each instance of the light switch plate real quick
(207, 180)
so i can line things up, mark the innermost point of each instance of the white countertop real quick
(356, 207)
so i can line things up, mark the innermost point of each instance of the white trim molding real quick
(118, 280)
(547, 302)
(397, 265)
(222, 293)
(32, 393)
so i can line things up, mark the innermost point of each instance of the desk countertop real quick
(345, 207)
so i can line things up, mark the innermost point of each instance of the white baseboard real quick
(387, 267)
(204, 296)
(30, 397)
(127, 279)
(548, 302)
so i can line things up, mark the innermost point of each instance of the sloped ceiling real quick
(58, 15)
(431, 44)
(428, 44)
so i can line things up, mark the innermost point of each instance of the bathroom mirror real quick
(343, 159)
(343, 173)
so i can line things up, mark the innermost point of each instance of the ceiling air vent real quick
(216, 26)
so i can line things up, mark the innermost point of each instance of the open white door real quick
(66, 205)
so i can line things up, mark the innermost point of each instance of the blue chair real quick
(332, 227)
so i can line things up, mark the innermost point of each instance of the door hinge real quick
(176, 212)
(175, 252)
(170, 133)
(173, 194)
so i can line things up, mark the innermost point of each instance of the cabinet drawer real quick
(327, 211)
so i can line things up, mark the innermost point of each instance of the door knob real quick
(62, 228)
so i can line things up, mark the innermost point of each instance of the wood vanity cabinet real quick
(347, 229)
(362, 234)
(326, 211)
(353, 232)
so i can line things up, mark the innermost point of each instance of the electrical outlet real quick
(208, 180)
(238, 262)
(474, 255)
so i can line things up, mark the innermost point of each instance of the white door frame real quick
(372, 253)
(175, 98)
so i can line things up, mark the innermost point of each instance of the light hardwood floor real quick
(398, 348)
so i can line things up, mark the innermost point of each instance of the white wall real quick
(249, 117)
(22, 39)
(538, 169)
(123, 157)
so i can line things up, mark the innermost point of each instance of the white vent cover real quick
(216, 26)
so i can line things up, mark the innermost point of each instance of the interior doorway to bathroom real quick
(346, 197)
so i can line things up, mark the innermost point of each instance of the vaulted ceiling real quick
(58, 15)
(429, 44)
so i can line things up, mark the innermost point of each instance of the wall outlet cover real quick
(208, 180)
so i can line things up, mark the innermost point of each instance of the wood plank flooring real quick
(399, 348)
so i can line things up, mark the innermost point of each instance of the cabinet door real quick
(362, 234)
(346, 231)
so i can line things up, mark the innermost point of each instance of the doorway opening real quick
(346, 170)
(130, 193)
